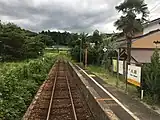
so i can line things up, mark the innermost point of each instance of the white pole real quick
(142, 91)
(117, 68)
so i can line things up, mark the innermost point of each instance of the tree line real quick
(94, 43)
(18, 44)
(57, 38)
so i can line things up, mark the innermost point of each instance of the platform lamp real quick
(156, 43)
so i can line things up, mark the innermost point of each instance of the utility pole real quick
(118, 66)
(86, 52)
(80, 52)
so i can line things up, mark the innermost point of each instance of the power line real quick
(155, 9)
(155, 6)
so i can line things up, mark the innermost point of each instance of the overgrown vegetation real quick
(95, 54)
(17, 43)
(58, 38)
(111, 79)
(150, 77)
(19, 81)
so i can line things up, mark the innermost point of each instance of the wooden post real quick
(129, 45)
(80, 57)
(86, 57)
(126, 74)
(117, 67)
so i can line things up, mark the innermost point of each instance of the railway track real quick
(60, 98)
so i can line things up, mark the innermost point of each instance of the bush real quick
(19, 83)
(75, 53)
(151, 77)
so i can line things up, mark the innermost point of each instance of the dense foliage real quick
(96, 55)
(57, 38)
(129, 23)
(151, 75)
(17, 43)
(19, 83)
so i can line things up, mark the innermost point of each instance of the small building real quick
(143, 46)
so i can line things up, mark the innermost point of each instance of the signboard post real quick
(120, 67)
(134, 75)
(114, 65)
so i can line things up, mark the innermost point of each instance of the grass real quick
(111, 79)
(15, 63)
(101, 72)
(61, 53)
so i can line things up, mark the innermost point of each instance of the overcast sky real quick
(66, 15)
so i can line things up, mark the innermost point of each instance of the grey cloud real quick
(54, 15)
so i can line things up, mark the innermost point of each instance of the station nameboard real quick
(134, 75)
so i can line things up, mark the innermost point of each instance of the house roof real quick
(151, 22)
(143, 41)
(147, 41)
(142, 55)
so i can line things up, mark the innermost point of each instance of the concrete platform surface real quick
(122, 105)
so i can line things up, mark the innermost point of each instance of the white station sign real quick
(121, 67)
(134, 75)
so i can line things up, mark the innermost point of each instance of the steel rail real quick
(53, 90)
(71, 98)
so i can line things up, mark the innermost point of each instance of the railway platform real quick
(121, 104)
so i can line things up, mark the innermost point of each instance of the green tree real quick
(83, 36)
(129, 23)
(151, 75)
(109, 42)
(17, 43)
(96, 38)
(94, 42)
(11, 41)
(46, 39)
(58, 37)
(85, 44)
(77, 43)
(33, 47)
(73, 40)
